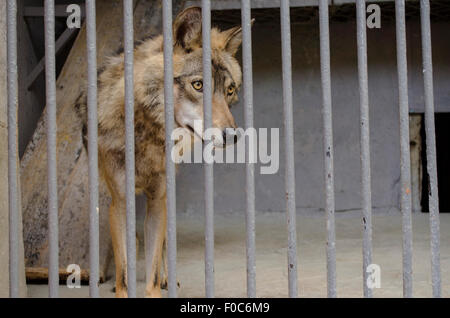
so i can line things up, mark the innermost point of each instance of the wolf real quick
(150, 174)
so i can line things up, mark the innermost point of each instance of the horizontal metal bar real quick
(341, 2)
(13, 188)
(50, 75)
(60, 11)
(266, 4)
(433, 197)
(405, 164)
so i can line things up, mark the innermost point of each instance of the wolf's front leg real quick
(165, 267)
(117, 221)
(155, 233)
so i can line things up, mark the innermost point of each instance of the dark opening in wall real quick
(32, 94)
(442, 121)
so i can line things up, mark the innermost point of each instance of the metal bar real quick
(404, 147)
(129, 146)
(13, 196)
(91, 37)
(249, 167)
(39, 68)
(366, 192)
(50, 76)
(255, 4)
(343, 2)
(328, 145)
(60, 11)
(209, 168)
(289, 147)
(170, 166)
(433, 198)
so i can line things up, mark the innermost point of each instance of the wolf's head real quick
(188, 75)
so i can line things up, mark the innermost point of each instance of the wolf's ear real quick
(234, 39)
(187, 29)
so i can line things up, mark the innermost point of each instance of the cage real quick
(362, 119)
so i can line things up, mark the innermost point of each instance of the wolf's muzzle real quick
(230, 136)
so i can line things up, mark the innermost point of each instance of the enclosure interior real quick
(229, 180)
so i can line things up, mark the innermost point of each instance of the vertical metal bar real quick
(328, 145)
(50, 77)
(12, 149)
(170, 166)
(366, 192)
(93, 148)
(249, 168)
(209, 168)
(289, 147)
(404, 147)
(433, 198)
(129, 146)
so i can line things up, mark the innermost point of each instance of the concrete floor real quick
(271, 259)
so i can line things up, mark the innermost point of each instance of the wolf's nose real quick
(230, 136)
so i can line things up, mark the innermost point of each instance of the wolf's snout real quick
(230, 136)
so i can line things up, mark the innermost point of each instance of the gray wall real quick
(385, 154)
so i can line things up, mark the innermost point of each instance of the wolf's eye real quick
(197, 85)
(231, 90)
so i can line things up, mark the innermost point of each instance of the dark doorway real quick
(442, 122)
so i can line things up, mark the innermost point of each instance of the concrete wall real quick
(384, 118)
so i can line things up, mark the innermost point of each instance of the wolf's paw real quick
(121, 293)
(164, 285)
(153, 293)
